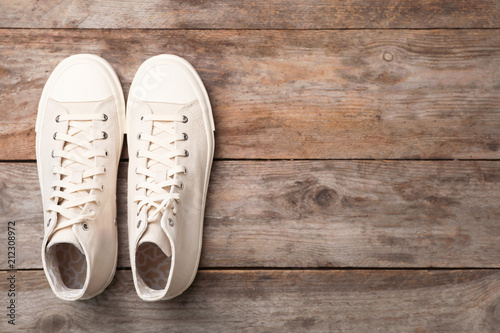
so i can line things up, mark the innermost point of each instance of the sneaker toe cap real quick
(82, 82)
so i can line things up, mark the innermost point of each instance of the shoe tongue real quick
(81, 107)
(76, 168)
(65, 235)
(159, 168)
(155, 234)
(164, 108)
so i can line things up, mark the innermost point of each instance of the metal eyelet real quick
(142, 118)
(48, 222)
(105, 117)
(170, 222)
(185, 136)
(54, 136)
(139, 136)
(85, 226)
(186, 153)
(139, 223)
(57, 118)
(104, 135)
(184, 119)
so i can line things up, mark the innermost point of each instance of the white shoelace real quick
(77, 169)
(160, 191)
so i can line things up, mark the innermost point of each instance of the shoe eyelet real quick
(97, 203)
(184, 119)
(105, 117)
(52, 153)
(104, 170)
(54, 136)
(139, 136)
(48, 222)
(185, 136)
(136, 171)
(136, 188)
(142, 118)
(181, 187)
(102, 187)
(104, 135)
(170, 222)
(139, 223)
(106, 153)
(57, 118)
(185, 171)
(137, 154)
(186, 153)
(85, 226)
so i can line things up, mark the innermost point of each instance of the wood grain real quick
(261, 14)
(314, 214)
(294, 94)
(270, 300)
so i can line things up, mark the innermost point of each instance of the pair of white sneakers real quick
(80, 128)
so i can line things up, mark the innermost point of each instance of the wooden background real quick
(356, 185)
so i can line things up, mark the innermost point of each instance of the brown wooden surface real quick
(294, 94)
(368, 95)
(261, 14)
(315, 214)
(277, 301)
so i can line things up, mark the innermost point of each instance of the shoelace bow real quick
(160, 191)
(77, 169)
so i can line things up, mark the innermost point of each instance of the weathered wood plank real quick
(285, 301)
(314, 214)
(261, 14)
(294, 94)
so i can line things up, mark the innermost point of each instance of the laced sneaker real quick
(171, 143)
(80, 125)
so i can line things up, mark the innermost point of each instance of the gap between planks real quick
(304, 269)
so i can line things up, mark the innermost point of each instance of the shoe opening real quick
(153, 265)
(67, 267)
(72, 265)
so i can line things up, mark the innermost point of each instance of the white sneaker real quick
(171, 142)
(80, 127)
